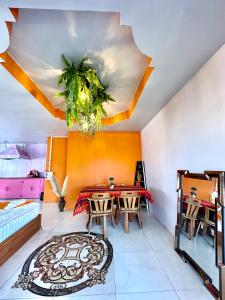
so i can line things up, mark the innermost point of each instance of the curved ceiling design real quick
(180, 35)
(36, 46)
(6, 18)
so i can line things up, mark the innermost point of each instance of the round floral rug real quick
(66, 264)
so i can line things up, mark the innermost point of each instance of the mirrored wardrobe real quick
(199, 236)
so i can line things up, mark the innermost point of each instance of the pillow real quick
(3, 204)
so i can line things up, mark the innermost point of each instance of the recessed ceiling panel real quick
(40, 37)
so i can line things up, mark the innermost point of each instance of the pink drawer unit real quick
(10, 188)
(16, 188)
(30, 188)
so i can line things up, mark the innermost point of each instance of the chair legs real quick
(147, 204)
(139, 219)
(126, 224)
(113, 220)
(105, 228)
(126, 220)
(191, 229)
(89, 224)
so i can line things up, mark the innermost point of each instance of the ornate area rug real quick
(66, 264)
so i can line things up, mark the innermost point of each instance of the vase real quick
(111, 185)
(61, 203)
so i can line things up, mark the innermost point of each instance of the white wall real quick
(188, 133)
(21, 167)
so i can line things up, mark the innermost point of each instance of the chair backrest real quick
(128, 194)
(129, 201)
(192, 208)
(100, 195)
(101, 203)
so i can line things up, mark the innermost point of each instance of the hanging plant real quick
(84, 96)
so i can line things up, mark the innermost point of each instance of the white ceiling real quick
(22, 118)
(110, 48)
(180, 36)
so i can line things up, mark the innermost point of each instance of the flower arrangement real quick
(59, 192)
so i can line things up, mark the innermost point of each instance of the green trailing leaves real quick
(84, 95)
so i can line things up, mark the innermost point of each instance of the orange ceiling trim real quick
(15, 13)
(18, 73)
(127, 114)
(22, 77)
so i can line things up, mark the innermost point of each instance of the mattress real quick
(13, 218)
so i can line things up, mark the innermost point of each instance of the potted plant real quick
(111, 183)
(59, 192)
(193, 192)
(84, 94)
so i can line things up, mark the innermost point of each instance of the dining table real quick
(82, 203)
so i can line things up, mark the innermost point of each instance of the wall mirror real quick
(199, 236)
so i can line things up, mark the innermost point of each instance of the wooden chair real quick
(190, 217)
(101, 205)
(206, 223)
(129, 203)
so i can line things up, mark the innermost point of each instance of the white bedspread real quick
(12, 219)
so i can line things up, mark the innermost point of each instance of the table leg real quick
(126, 225)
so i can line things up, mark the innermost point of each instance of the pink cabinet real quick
(16, 188)
(10, 188)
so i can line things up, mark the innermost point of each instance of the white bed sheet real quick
(12, 219)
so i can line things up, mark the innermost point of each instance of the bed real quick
(19, 221)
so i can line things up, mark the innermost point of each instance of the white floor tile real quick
(199, 294)
(149, 220)
(9, 267)
(32, 244)
(158, 237)
(181, 274)
(7, 292)
(145, 266)
(168, 295)
(125, 241)
(139, 272)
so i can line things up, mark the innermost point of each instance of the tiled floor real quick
(200, 248)
(144, 267)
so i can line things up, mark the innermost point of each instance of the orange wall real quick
(58, 165)
(205, 187)
(92, 160)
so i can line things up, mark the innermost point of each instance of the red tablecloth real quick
(83, 204)
(204, 203)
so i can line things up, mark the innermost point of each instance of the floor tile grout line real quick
(114, 272)
(167, 275)
(164, 268)
(147, 292)
(21, 266)
(74, 296)
(178, 295)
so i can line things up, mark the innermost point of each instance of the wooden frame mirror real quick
(199, 233)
